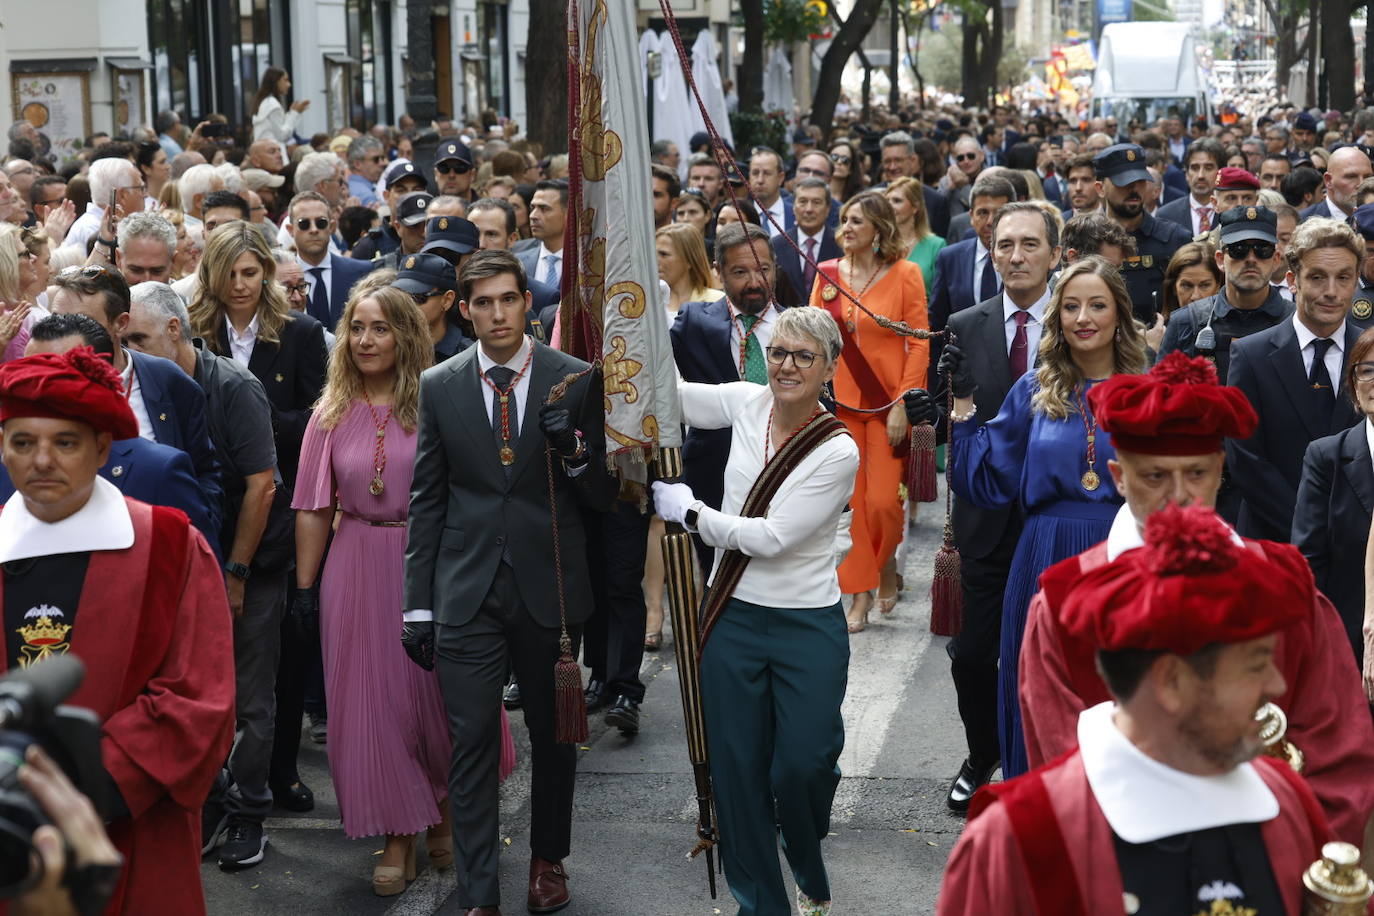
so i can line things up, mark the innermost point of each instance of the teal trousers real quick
(772, 681)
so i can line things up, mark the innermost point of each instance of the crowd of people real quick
(338, 361)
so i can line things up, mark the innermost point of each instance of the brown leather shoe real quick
(484, 911)
(548, 886)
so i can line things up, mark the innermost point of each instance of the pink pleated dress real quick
(389, 744)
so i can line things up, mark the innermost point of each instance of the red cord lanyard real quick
(768, 432)
(504, 396)
(1090, 480)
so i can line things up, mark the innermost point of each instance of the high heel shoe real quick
(886, 605)
(390, 880)
(440, 850)
(860, 624)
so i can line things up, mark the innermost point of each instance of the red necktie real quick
(1018, 344)
(1204, 219)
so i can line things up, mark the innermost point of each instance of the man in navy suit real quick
(311, 223)
(766, 174)
(811, 204)
(144, 470)
(724, 341)
(964, 272)
(169, 406)
(1347, 167)
(1198, 211)
(1292, 375)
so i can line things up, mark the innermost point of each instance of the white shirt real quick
(1336, 212)
(102, 524)
(522, 384)
(273, 122)
(982, 261)
(1034, 325)
(792, 546)
(310, 277)
(763, 332)
(86, 225)
(541, 266)
(134, 392)
(1144, 800)
(241, 342)
(779, 212)
(1334, 354)
(1369, 436)
(1195, 211)
(1125, 534)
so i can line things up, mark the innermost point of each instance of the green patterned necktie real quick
(755, 369)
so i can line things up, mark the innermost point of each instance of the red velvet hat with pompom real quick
(76, 385)
(1177, 408)
(1194, 583)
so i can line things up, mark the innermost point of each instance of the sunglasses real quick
(422, 298)
(965, 157)
(320, 222)
(454, 168)
(841, 160)
(1239, 251)
(89, 272)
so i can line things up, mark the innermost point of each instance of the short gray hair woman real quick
(775, 662)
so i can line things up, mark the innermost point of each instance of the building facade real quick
(86, 66)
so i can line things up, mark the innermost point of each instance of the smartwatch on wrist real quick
(689, 519)
(238, 570)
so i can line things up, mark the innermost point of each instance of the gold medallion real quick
(1090, 480)
(377, 486)
(829, 292)
(1362, 309)
(507, 455)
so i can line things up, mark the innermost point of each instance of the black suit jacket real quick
(1334, 506)
(1267, 467)
(790, 262)
(465, 512)
(1180, 211)
(981, 332)
(703, 353)
(292, 374)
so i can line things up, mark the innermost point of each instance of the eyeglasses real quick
(1241, 250)
(1364, 372)
(454, 168)
(965, 157)
(802, 359)
(297, 289)
(320, 222)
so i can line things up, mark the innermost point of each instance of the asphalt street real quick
(636, 808)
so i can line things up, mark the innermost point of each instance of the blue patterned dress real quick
(1022, 456)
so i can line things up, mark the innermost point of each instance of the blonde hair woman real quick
(908, 200)
(14, 308)
(876, 367)
(1043, 451)
(388, 731)
(240, 311)
(683, 266)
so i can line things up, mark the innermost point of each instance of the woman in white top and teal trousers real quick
(775, 656)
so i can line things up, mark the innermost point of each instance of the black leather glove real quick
(954, 365)
(557, 425)
(417, 637)
(305, 611)
(920, 407)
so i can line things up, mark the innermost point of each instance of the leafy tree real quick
(848, 38)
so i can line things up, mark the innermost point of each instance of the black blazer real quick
(465, 512)
(1331, 525)
(292, 374)
(1267, 366)
(981, 332)
(701, 348)
(790, 262)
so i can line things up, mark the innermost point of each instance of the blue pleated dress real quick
(1022, 456)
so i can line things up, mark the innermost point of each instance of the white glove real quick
(672, 500)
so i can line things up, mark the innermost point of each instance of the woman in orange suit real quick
(876, 367)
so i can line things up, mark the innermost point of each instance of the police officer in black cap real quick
(1246, 302)
(1121, 179)
(453, 239)
(399, 180)
(1362, 306)
(453, 171)
(408, 222)
(433, 283)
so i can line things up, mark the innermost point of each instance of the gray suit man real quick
(481, 535)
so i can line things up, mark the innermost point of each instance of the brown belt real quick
(374, 523)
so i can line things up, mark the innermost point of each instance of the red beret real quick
(1234, 179)
(1177, 408)
(76, 385)
(1191, 585)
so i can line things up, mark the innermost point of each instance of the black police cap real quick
(1241, 223)
(423, 273)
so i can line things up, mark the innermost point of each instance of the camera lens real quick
(20, 816)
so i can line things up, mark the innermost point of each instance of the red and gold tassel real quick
(920, 466)
(946, 592)
(570, 702)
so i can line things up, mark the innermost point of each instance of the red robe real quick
(1327, 711)
(154, 630)
(1068, 867)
